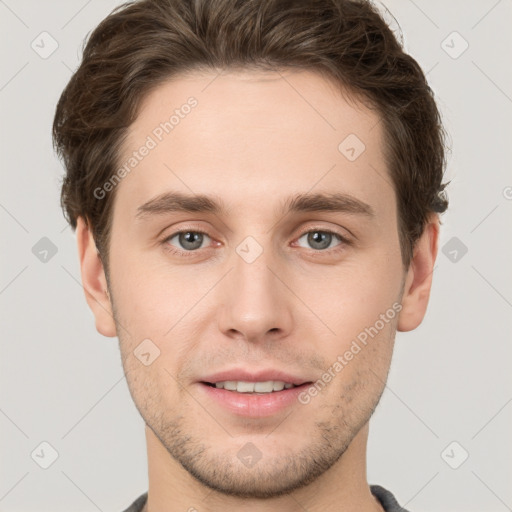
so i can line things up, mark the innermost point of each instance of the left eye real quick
(321, 240)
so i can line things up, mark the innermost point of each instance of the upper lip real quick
(253, 376)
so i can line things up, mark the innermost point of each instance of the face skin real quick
(254, 140)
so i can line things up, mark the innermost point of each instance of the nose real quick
(255, 304)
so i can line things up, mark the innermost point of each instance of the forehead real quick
(253, 137)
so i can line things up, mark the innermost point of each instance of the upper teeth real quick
(254, 387)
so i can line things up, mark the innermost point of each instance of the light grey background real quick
(62, 383)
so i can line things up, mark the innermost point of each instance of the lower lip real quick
(252, 404)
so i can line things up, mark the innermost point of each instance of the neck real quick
(342, 487)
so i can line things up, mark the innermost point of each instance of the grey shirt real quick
(387, 500)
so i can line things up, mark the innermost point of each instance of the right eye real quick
(188, 240)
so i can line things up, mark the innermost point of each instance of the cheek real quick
(352, 298)
(146, 297)
(169, 307)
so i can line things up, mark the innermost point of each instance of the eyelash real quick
(173, 250)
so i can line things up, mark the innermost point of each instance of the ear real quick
(418, 281)
(94, 281)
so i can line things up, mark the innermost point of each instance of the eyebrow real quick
(309, 202)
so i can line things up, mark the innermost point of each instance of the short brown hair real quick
(142, 44)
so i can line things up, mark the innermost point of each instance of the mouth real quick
(253, 397)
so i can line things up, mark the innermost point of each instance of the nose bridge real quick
(254, 301)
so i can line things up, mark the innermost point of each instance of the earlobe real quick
(418, 281)
(94, 281)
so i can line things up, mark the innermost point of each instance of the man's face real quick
(255, 292)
